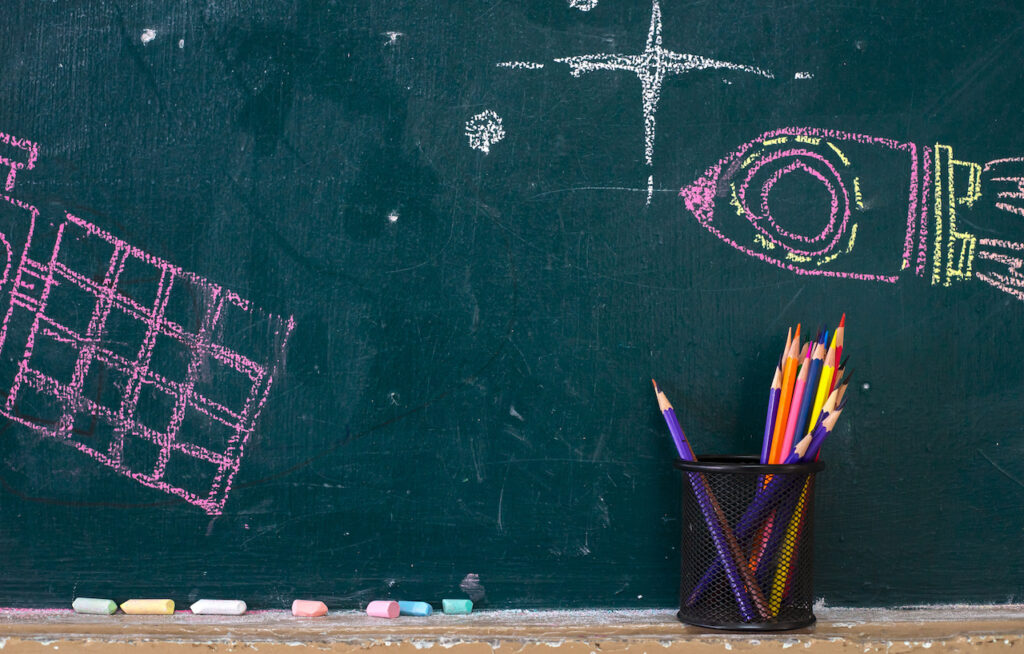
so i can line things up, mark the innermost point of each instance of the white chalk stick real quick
(218, 607)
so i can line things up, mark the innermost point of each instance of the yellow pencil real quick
(788, 547)
(824, 387)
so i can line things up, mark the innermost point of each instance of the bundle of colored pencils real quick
(804, 403)
(807, 392)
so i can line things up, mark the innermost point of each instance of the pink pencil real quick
(794, 410)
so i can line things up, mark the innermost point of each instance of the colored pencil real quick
(824, 384)
(788, 377)
(794, 409)
(810, 390)
(803, 451)
(678, 437)
(830, 413)
(773, 405)
(805, 400)
(840, 333)
(757, 512)
(788, 550)
(741, 580)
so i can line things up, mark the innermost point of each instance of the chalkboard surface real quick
(355, 300)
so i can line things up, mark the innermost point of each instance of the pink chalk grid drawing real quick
(154, 372)
(849, 232)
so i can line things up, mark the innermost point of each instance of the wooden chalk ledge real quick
(953, 629)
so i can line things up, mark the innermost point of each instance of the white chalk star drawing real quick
(484, 130)
(652, 66)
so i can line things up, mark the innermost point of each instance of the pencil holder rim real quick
(746, 464)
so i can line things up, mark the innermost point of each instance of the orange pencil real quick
(788, 377)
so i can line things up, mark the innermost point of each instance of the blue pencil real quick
(817, 360)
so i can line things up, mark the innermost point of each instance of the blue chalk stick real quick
(414, 608)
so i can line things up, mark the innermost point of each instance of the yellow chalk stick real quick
(148, 607)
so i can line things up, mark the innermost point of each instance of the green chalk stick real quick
(457, 606)
(93, 605)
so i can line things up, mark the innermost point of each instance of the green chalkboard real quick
(354, 300)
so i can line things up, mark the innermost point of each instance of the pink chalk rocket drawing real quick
(150, 370)
(847, 229)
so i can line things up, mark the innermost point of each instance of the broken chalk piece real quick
(148, 607)
(383, 609)
(415, 608)
(218, 607)
(457, 606)
(93, 605)
(308, 608)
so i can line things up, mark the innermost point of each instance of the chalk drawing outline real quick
(651, 66)
(30, 290)
(734, 192)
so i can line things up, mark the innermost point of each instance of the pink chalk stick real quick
(309, 608)
(383, 609)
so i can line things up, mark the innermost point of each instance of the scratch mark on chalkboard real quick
(652, 66)
(599, 447)
(572, 189)
(66, 328)
(771, 327)
(1005, 472)
(501, 498)
(477, 467)
(522, 356)
(515, 414)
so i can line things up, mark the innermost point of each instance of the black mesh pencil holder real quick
(747, 544)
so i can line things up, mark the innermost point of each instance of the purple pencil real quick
(741, 579)
(773, 406)
(678, 437)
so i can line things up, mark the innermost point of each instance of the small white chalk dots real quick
(484, 130)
